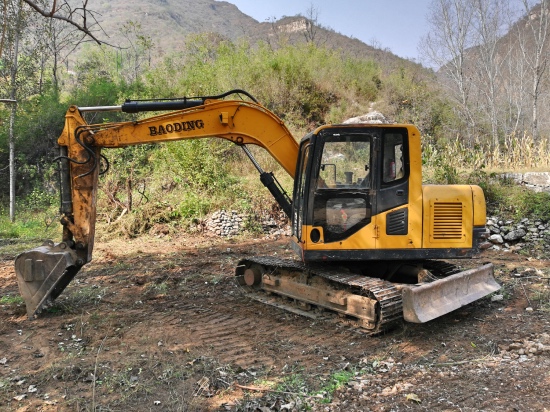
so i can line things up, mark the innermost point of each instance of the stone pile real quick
(513, 236)
(224, 223)
(371, 117)
(231, 223)
(539, 345)
(275, 227)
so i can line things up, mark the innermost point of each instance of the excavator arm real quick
(44, 272)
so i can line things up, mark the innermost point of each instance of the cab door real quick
(301, 189)
(341, 184)
(391, 206)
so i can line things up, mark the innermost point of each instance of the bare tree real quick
(312, 28)
(489, 25)
(534, 50)
(80, 17)
(13, 96)
(445, 48)
(514, 88)
(138, 50)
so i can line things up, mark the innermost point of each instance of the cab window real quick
(345, 162)
(393, 166)
(341, 203)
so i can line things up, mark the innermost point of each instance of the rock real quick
(496, 239)
(371, 117)
(493, 229)
(485, 245)
(515, 235)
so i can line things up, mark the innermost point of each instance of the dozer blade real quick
(43, 273)
(422, 303)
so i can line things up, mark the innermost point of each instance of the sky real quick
(394, 24)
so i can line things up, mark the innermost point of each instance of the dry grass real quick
(517, 153)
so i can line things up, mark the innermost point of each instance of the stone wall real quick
(537, 181)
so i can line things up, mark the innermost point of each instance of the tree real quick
(79, 17)
(138, 52)
(21, 43)
(514, 88)
(312, 28)
(445, 48)
(13, 96)
(59, 40)
(489, 25)
(534, 51)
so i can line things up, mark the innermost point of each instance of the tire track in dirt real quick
(243, 332)
(231, 338)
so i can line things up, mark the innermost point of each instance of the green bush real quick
(29, 224)
(507, 199)
(199, 164)
(533, 205)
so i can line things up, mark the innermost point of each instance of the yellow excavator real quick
(370, 237)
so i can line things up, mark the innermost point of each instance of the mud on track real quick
(157, 324)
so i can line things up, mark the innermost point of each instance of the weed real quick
(12, 300)
(446, 174)
(162, 287)
(517, 153)
(533, 204)
(541, 295)
(5, 385)
(294, 383)
(74, 299)
(29, 225)
(336, 381)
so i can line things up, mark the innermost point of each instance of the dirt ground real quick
(159, 324)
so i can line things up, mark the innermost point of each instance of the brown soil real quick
(159, 324)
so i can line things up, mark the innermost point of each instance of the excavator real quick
(373, 242)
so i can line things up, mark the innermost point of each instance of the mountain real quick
(168, 22)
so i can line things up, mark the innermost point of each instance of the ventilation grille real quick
(397, 222)
(447, 221)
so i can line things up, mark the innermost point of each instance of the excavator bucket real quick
(424, 302)
(43, 273)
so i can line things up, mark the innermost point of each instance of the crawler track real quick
(385, 296)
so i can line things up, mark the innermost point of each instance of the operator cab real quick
(346, 175)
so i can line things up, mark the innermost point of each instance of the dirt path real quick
(158, 324)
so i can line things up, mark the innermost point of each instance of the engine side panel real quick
(448, 216)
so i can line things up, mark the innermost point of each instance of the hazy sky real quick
(394, 24)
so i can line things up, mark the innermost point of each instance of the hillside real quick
(168, 22)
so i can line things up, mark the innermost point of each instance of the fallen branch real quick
(252, 388)
(460, 362)
(95, 372)
(525, 293)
